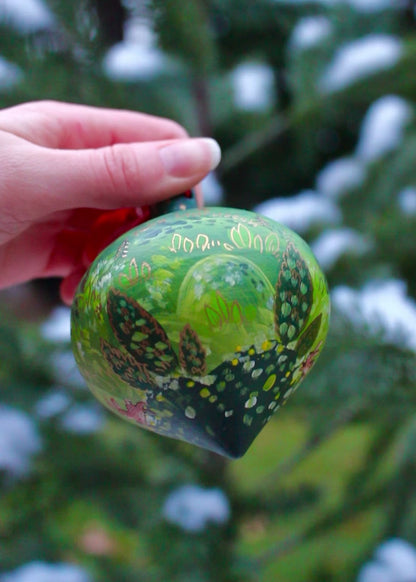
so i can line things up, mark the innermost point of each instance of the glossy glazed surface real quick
(199, 324)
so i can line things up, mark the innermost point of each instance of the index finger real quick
(61, 125)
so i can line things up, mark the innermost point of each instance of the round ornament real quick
(200, 323)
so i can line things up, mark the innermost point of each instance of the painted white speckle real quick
(190, 412)
(251, 402)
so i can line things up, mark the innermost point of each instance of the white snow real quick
(406, 200)
(302, 211)
(373, 5)
(253, 86)
(132, 62)
(382, 127)
(26, 15)
(193, 508)
(52, 403)
(83, 419)
(212, 190)
(10, 74)
(340, 176)
(19, 441)
(65, 369)
(309, 32)
(57, 328)
(137, 57)
(46, 572)
(359, 5)
(376, 572)
(333, 243)
(394, 561)
(400, 556)
(381, 306)
(360, 58)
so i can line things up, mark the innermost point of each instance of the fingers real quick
(123, 174)
(199, 196)
(69, 285)
(69, 126)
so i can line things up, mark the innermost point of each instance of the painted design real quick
(198, 325)
(136, 412)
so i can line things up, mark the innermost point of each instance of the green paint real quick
(200, 341)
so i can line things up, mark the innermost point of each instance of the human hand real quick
(62, 165)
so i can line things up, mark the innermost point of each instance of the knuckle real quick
(121, 169)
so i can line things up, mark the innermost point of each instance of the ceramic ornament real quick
(200, 323)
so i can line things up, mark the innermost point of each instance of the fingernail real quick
(190, 156)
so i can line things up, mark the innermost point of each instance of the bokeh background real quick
(314, 106)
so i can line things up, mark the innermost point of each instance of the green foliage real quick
(193, 44)
(333, 474)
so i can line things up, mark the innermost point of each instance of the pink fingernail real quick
(187, 157)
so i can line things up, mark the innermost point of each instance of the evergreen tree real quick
(314, 106)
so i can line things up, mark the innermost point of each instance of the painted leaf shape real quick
(241, 236)
(132, 277)
(258, 243)
(222, 307)
(272, 243)
(126, 367)
(192, 355)
(294, 295)
(140, 334)
(188, 245)
(176, 243)
(214, 318)
(236, 312)
(307, 339)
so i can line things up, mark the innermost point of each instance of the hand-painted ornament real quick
(199, 324)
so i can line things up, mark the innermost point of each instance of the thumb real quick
(126, 174)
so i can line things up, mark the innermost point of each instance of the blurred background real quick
(314, 106)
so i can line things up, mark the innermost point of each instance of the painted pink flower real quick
(135, 412)
(310, 360)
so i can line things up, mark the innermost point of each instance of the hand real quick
(62, 165)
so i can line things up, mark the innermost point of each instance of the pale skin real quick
(59, 159)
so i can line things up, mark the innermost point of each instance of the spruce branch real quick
(252, 142)
(311, 445)
(328, 522)
(355, 95)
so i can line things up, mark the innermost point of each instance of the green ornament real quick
(199, 324)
